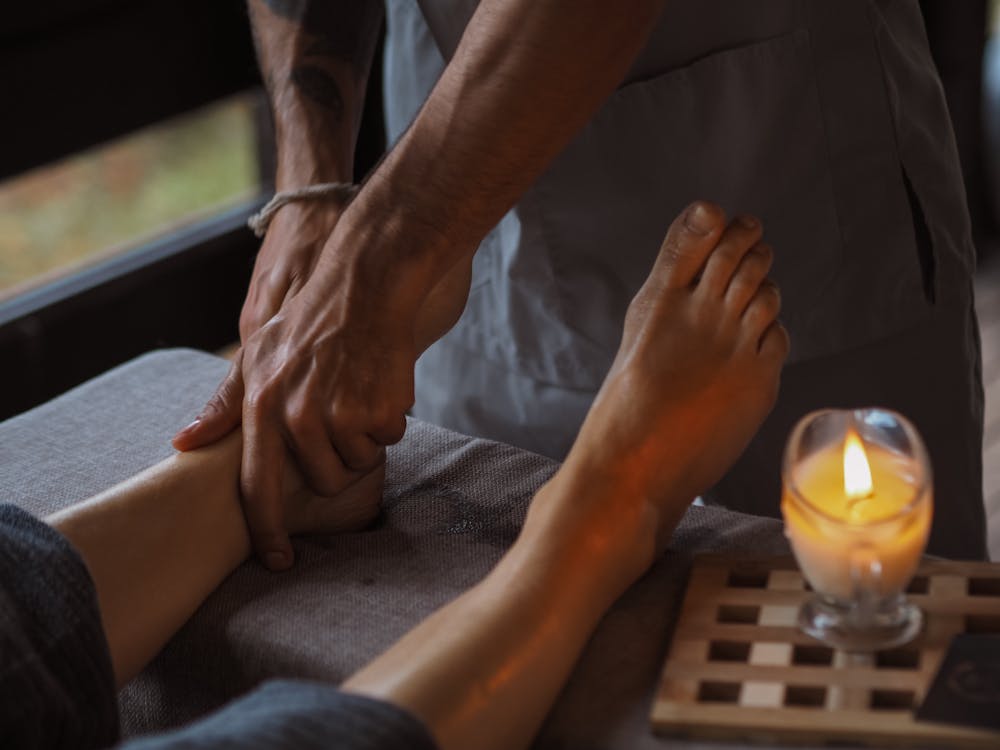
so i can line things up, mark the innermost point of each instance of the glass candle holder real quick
(857, 503)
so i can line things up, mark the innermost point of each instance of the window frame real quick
(184, 289)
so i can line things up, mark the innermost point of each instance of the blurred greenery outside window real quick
(61, 217)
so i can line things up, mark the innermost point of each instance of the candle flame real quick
(857, 472)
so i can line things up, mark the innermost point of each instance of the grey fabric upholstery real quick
(452, 505)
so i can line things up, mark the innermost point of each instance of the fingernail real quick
(699, 219)
(748, 222)
(191, 426)
(276, 560)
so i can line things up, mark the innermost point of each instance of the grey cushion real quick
(452, 505)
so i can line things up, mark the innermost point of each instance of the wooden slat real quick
(744, 679)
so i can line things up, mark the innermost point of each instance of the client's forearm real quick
(157, 544)
(483, 671)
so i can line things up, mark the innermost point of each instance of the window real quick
(56, 219)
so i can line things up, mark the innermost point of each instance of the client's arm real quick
(159, 543)
(696, 373)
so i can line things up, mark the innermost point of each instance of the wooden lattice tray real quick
(739, 668)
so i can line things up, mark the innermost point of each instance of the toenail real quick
(748, 222)
(699, 219)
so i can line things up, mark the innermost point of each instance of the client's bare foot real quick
(696, 373)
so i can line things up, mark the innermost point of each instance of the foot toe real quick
(743, 233)
(762, 311)
(688, 243)
(749, 274)
(774, 344)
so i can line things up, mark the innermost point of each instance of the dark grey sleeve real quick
(57, 688)
(286, 715)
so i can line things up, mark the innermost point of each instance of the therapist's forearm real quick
(157, 545)
(315, 56)
(527, 75)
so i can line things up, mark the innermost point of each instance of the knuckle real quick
(213, 406)
(344, 420)
(299, 415)
(260, 399)
(220, 401)
(641, 306)
(250, 321)
(227, 392)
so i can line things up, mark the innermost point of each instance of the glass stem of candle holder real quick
(866, 577)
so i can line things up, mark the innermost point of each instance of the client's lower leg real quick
(696, 373)
(158, 544)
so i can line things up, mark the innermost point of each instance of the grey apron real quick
(826, 119)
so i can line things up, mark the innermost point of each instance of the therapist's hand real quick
(329, 378)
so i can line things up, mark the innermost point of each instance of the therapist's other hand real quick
(286, 258)
(351, 509)
(329, 379)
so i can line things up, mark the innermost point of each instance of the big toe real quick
(688, 243)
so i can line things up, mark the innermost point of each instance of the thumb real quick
(220, 416)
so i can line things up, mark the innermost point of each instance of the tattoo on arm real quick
(319, 86)
(335, 32)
